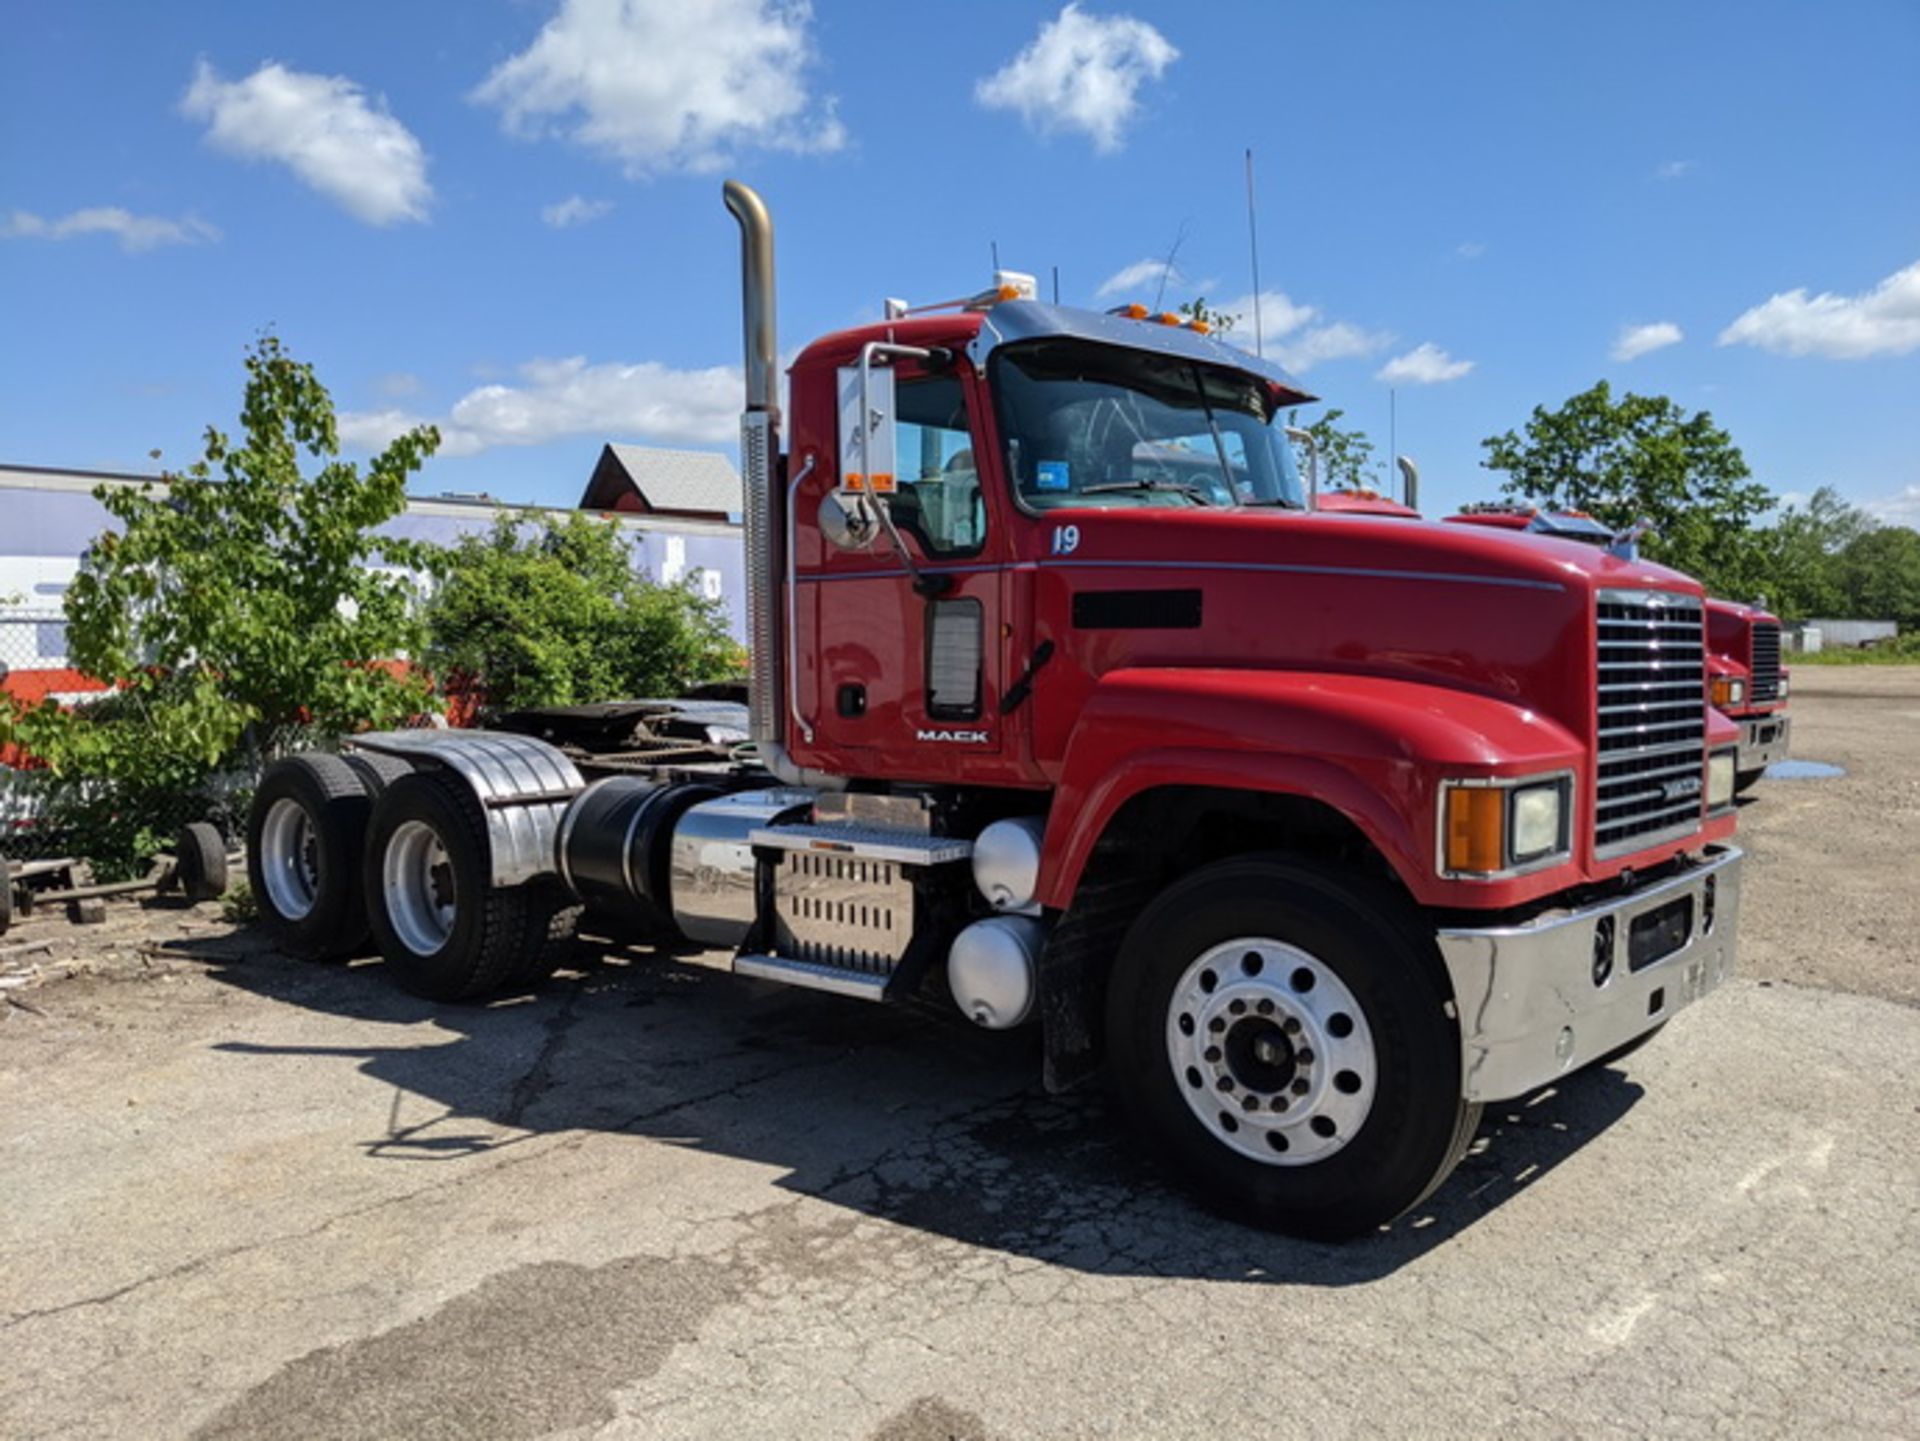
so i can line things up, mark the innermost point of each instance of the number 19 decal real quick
(1066, 539)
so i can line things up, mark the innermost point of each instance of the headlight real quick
(1719, 780)
(1728, 691)
(1782, 692)
(1536, 822)
(1496, 828)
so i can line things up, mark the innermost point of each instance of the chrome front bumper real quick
(1763, 740)
(1530, 1007)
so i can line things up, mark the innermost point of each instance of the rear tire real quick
(304, 834)
(448, 933)
(376, 770)
(1280, 1033)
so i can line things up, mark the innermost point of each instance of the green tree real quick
(1803, 548)
(1346, 456)
(1879, 576)
(238, 605)
(547, 610)
(1644, 457)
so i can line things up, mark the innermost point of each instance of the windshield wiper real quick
(1147, 483)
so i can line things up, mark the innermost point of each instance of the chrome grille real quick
(1765, 661)
(1651, 720)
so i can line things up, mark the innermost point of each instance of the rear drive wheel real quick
(1280, 1033)
(377, 770)
(448, 933)
(304, 832)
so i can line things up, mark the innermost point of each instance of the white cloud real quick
(1295, 336)
(1900, 508)
(1883, 321)
(1638, 340)
(1338, 340)
(1676, 169)
(665, 85)
(324, 129)
(559, 398)
(1470, 249)
(1082, 72)
(1138, 275)
(575, 211)
(134, 232)
(1425, 364)
(398, 383)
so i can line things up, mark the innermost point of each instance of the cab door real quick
(908, 649)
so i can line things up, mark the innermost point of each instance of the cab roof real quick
(980, 332)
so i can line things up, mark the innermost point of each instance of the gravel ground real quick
(241, 1197)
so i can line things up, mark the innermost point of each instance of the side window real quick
(938, 499)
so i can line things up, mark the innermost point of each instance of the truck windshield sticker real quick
(1052, 475)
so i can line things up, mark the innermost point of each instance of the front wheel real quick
(1281, 1034)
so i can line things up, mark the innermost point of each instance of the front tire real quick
(1280, 1033)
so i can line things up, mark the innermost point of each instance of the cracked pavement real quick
(242, 1197)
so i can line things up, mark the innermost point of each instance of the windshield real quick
(1087, 424)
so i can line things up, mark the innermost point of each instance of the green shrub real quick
(547, 610)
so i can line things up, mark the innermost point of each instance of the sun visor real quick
(1013, 321)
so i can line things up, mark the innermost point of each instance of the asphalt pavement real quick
(242, 1197)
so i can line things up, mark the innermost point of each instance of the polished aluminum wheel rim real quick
(418, 881)
(289, 859)
(1271, 1051)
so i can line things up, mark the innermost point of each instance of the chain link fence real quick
(43, 815)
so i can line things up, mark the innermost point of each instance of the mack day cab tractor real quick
(1745, 679)
(1318, 833)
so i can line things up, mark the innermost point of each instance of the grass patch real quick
(1901, 650)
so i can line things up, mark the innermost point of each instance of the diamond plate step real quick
(812, 976)
(872, 843)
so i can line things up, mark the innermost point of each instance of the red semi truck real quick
(1745, 679)
(1315, 834)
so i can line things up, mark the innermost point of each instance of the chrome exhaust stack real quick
(759, 458)
(759, 447)
(1409, 480)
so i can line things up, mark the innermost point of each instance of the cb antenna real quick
(1167, 269)
(1253, 245)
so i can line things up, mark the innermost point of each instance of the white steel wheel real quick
(1272, 1051)
(418, 884)
(289, 851)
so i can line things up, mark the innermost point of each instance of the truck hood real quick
(1333, 539)
(1474, 608)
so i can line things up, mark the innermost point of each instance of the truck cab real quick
(1068, 706)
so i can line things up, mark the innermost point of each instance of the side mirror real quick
(867, 431)
(846, 520)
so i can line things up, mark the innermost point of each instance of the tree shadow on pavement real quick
(896, 1113)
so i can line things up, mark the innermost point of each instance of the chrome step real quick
(812, 976)
(867, 843)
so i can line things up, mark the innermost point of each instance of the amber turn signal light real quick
(1475, 828)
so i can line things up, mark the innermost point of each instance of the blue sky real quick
(504, 215)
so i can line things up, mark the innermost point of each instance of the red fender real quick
(1372, 749)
